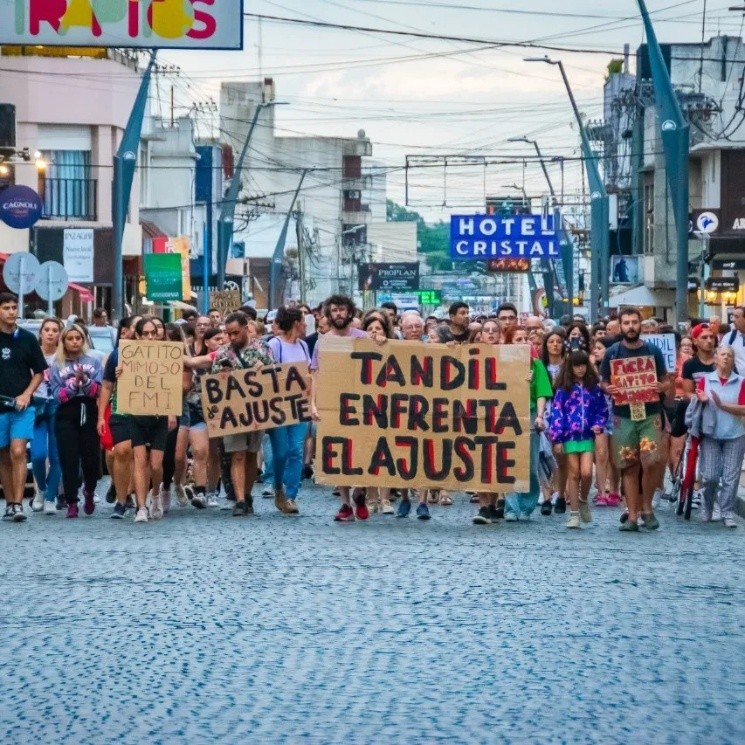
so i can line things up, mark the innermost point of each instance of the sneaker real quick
(705, 516)
(360, 507)
(624, 517)
(130, 502)
(433, 496)
(291, 507)
(156, 507)
(199, 500)
(111, 494)
(119, 511)
(240, 509)
(601, 500)
(729, 522)
(574, 522)
(650, 521)
(37, 503)
(474, 498)
(165, 498)
(72, 510)
(307, 472)
(14, 513)
(61, 504)
(181, 497)
(89, 506)
(386, 508)
(716, 513)
(614, 499)
(212, 500)
(697, 499)
(495, 512)
(189, 491)
(628, 526)
(267, 493)
(422, 511)
(50, 508)
(445, 499)
(483, 517)
(404, 508)
(546, 508)
(584, 512)
(561, 506)
(280, 501)
(141, 515)
(345, 514)
(510, 516)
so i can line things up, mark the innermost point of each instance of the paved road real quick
(207, 629)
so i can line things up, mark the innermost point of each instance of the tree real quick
(432, 240)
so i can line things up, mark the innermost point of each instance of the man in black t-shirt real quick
(22, 366)
(637, 436)
(458, 314)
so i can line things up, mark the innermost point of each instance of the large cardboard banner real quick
(637, 379)
(256, 399)
(407, 414)
(151, 383)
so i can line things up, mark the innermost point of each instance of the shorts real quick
(637, 442)
(678, 424)
(183, 420)
(579, 446)
(196, 417)
(17, 425)
(141, 430)
(249, 441)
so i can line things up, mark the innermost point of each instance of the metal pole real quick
(50, 306)
(21, 285)
(227, 210)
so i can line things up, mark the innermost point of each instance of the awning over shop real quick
(643, 296)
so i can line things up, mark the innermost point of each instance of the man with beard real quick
(241, 353)
(339, 311)
(459, 320)
(637, 437)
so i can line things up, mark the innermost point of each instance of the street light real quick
(227, 210)
(599, 207)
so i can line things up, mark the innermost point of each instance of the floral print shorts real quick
(636, 442)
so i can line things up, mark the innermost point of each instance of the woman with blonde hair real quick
(75, 383)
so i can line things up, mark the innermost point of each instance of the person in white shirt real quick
(736, 339)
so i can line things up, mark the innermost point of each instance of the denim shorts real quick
(17, 425)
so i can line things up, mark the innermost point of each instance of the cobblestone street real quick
(203, 628)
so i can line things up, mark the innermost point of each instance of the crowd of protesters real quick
(587, 450)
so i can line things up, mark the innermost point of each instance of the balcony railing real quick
(69, 199)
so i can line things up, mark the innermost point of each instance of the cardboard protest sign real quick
(256, 399)
(423, 415)
(666, 344)
(637, 379)
(151, 380)
(226, 301)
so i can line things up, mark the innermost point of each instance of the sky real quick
(434, 97)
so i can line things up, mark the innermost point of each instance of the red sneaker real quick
(89, 505)
(345, 514)
(360, 507)
(614, 499)
(601, 500)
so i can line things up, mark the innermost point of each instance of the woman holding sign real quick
(74, 383)
(288, 442)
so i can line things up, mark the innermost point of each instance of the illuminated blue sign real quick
(483, 237)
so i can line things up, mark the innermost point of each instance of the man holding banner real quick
(634, 374)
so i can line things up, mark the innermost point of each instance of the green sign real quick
(429, 297)
(163, 277)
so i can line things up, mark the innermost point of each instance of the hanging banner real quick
(143, 24)
(484, 237)
(182, 247)
(163, 277)
(429, 416)
(391, 277)
(151, 383)
(256, 399)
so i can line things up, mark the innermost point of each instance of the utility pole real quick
(227, 209)
(599, 207)
(675, 135)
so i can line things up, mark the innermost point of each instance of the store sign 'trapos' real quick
(483, 237)
(162, 24)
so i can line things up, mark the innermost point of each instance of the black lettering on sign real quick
(465, 417)
(422, 371)
(505, 463)
(407, 470)
(347, 411)
(391, 373)
(508, 420)
(431, 471)
(366, 368)
(452, 373)
(375, 410)
(382, 459)
(492, 382)
(463, 447)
